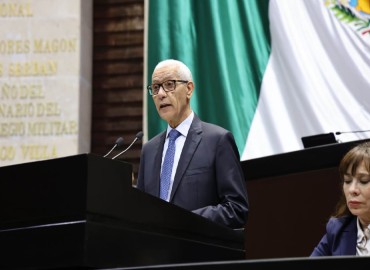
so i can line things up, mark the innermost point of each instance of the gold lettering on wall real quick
(38, 128)
(29, 109)
(14, 46)
(50, 46)
(33, 68)
(11, 9)
(54, 128)
(21, 91)
(37, 152)
(55, 45)
(17, 110)
(7, 153)
(39, 79)
(12, 129)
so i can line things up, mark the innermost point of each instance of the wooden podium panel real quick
(291, 197)
(82, 212)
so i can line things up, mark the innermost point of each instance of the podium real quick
(82, 212)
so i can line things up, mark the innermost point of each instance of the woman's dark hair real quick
(349, 164)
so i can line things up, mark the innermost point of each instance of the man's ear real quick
(190, 89)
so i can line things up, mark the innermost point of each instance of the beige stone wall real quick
(45, 79)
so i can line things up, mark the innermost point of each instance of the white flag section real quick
(317, 79)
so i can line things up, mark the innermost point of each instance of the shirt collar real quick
(184, 126)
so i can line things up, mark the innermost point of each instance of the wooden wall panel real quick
(118, 56)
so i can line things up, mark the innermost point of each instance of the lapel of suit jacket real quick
(192, 141)
(158, 163)
(346, 241)
(350, 240)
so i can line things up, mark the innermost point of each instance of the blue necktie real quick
(168, 163)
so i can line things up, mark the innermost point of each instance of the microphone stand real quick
(139, 135)
(119, 142)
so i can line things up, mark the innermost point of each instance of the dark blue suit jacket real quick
(209, 179)
(340, 238)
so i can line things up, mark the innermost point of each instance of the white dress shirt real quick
(363, 240)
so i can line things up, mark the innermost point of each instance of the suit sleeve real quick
(323, 247)
(232, 209)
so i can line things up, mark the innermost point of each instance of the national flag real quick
(270, 71)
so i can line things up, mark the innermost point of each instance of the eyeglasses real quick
(167, 86)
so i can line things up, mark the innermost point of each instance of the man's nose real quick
(161, 88)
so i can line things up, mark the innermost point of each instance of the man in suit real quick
(206, 177)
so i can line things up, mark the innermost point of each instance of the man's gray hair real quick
(183, 71)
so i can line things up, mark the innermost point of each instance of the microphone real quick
(356, 131)
(119, 143)
(139, 136)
